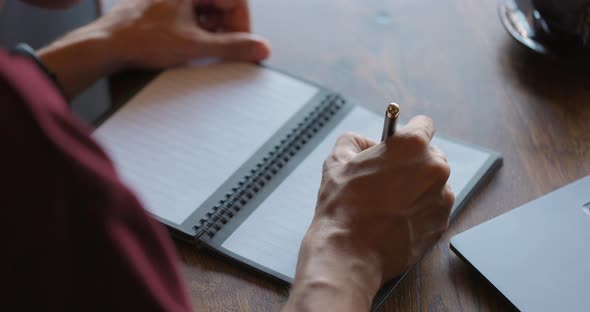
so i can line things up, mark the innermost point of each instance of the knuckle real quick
(343, 139)
(347, 135)
(438, 152)
(448, 197)
(440, 169)
(414, 140)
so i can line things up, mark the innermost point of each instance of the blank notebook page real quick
(271, 235)
(184, 134)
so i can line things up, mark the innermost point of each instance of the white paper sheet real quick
(271, 235)
(178, 140)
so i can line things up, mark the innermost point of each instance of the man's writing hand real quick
(380, 208)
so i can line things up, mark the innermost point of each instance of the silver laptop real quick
(537, 255)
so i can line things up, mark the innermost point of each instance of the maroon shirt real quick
(73, 237)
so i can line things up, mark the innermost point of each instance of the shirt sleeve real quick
(74, 237)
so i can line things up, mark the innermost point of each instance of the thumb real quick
(234, 46)
(348, 146)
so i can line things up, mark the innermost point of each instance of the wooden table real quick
(451, 60)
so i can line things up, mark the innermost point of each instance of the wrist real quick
(332, 273)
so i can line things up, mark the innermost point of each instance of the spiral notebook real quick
(229, 156)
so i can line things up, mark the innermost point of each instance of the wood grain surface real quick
(453, 61)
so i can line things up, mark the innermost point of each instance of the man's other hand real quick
(165, 33)
(154, 34)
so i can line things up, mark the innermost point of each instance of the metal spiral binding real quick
(269, 166)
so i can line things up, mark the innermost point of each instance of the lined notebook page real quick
(178, 140)
(271, 235)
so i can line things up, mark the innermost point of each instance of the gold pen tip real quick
(392, 110)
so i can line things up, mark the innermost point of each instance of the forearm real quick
(81, 57)
(329, 277)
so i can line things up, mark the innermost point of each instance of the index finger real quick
(420, 126)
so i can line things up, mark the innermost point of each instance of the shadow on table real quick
(555, 81)
(210, 274)
(469, 280)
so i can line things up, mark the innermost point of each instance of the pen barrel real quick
(389, 126)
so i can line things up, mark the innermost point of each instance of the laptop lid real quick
(537, 255)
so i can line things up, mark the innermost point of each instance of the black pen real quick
(390, 122)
